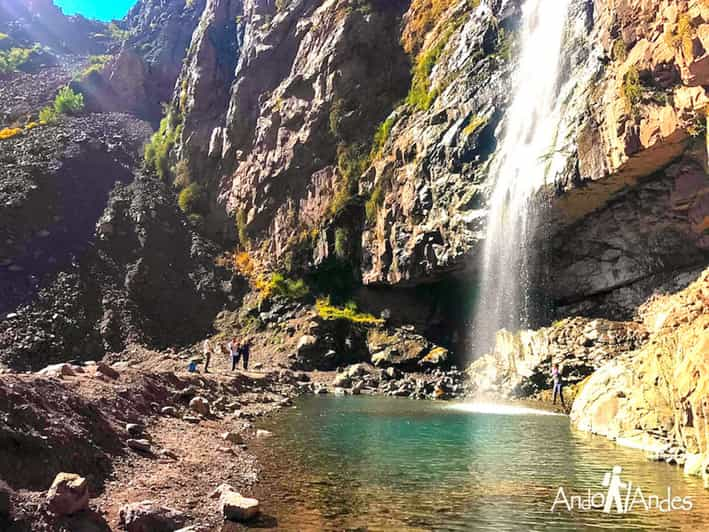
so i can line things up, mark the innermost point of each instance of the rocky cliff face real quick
(360, 135)
(154, 36)
(147, 278)
(655, 398)
(292, 154)
(634, 209)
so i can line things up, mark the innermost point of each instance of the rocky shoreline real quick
(171, 444)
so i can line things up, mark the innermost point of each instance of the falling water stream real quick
(522, 165)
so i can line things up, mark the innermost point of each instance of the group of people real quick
(235, 349)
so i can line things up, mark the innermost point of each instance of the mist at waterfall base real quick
(524, 163)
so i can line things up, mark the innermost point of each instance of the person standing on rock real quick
(245, 352)
(234, 350)
(556, 377)
(207, 355)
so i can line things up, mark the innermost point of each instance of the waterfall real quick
(521, 166)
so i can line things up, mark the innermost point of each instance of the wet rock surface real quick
(520, 364)
(653, 398)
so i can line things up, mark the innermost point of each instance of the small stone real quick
(134, 429)
(167, 453)
(236, 507)
(233, 437)
(57, 370)
(222, 488)
(168, 411)
(261, 433)
(191, 419)
(200, 405)
(107, 370)
(147, 516)
(139, 445)
(68, 494)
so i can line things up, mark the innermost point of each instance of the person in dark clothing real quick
(558, 384)
(245, 352)
(235, 351)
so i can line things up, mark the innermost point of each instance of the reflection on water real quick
(344, 463)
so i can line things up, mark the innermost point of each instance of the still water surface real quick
(363, 463)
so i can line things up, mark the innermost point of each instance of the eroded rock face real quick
(290, 143)
(609, 263)
(148, 279)
(520, 364)
(430, 176)
(648, 104)
(143, 74)
(655, 397)
(312, 84)
(54, 184)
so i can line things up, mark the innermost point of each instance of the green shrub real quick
(96, 64)
(336, 112)
(118, 34)
(278, 285)
(192, 199)
(68, 102)
(349, 312)
(352, 161)
(374, 203)
(420, 94)
(241, 229)
(619, 51)
(182, 174)
(48, 115)
(3, 36)
(14, 58)
(381, 136)
(631, 89)
(157, 151)
(342, 243)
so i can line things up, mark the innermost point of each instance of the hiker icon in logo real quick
(614, 484)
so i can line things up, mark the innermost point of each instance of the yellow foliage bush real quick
(276, 284)
(424, 15)
(243, 264)
(349, 312)
(9, 132)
